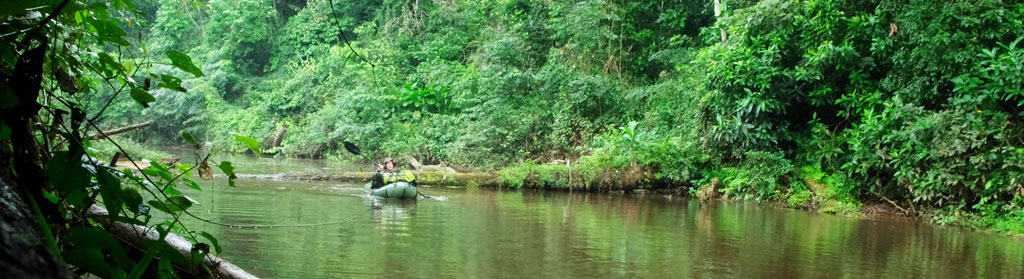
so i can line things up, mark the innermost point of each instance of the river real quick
(529, 234)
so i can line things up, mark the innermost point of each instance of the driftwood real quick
(124, 163)
(128, 128)
(412, 161)
(275, 141)
(138, 165)
(436, 168)
(460, 168)
(710, 191)
(135, 234)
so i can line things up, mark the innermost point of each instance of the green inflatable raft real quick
(398, 190)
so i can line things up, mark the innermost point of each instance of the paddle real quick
(355, 150)
(352, 148)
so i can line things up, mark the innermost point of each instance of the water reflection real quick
(393, 217)
(502, 234)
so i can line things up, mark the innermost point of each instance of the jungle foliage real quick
(915, 103)
(67, 67)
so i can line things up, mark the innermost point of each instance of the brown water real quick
(503, 234)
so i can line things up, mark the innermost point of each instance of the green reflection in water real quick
(497, 234)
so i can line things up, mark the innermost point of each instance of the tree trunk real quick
(124, 129)
(415, 164)
(278, 136)
(23, 253)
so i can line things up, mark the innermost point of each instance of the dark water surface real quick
(501, 234)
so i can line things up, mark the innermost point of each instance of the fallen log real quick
(412, 161)
(275, 141)
(607, 181)
(128, 128)
(135, 234)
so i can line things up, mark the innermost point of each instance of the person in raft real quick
(387, 174)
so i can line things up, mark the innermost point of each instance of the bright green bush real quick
(105, 150)
(928, 116)
(797, 194)
(536, 176)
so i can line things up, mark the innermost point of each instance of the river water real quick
(529, 234)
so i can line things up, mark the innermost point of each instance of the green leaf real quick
(114, 33)
(165, 268)
(229, 171)
(179, 203)
(188, 137)
(109, 61)
(249, 142)
(160, 206)
(198, 251)
(192, 184)
(213, 240)
(172, 83)
(106, 28)
(5, 132)
(184, 169)
(165, 251)
(9, 8)
(8, 99)
(141, 96)
(69, 177)
(162, 171)
(143, 264)
(8, 55)
(97, 251)
(50, 197)
(110, 190)
(184, 63)
(171, 191)
(227, 168)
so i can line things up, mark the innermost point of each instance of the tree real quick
(53, 53)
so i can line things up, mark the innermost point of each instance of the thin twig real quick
(117, 92)
(891, 202)
(342, 33)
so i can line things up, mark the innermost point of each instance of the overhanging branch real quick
(128, 128)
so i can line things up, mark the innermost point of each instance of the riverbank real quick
(639, 180)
